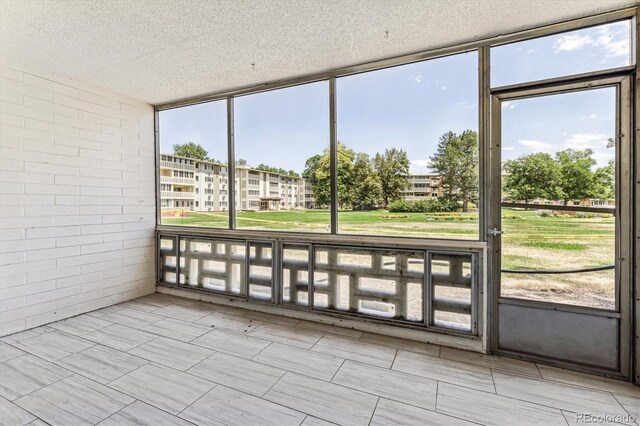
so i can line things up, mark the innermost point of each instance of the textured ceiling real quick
(163, 50)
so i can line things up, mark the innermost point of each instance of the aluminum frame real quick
(475, 320)
(620, 79)
(487, 149)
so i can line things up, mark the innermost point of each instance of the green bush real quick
(424, 206)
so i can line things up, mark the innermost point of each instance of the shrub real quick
(424, 206)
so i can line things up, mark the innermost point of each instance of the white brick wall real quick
(77, 198)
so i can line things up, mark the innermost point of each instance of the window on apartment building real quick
(574, 52)
(193, 146)
(279, 135)
(415, 119)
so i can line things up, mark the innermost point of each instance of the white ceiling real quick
(163, 50)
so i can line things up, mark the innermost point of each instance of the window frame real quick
(484, 90)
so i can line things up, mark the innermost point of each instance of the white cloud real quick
(508, 148)
(593, 116)
(420, 163)
(536, 145)
(606, 38)
(443, 88)
(419, 166)
(530, 51)
(569, 43)
(586, 140)
(612, 38)
(597, 142)
(418, 79)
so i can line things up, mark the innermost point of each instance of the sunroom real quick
(305, 212)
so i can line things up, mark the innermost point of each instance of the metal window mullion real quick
(484, 116)
(231, 169)
(333, 154)
(276, 275)
(310, 277)
(156, 138)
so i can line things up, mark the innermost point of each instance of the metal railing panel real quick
(396, 285)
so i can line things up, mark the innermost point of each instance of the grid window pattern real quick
(377, 283)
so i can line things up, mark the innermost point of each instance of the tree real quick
(605, 178)
(190, 150)
(532, 176)
(241, 162)
(456, 161)
(358, 186)
(611, 143)
(392, 171)
(577, 179)
(365, 187)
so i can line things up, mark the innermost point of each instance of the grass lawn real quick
(529, 242)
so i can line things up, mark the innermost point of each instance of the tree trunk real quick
(465, 200)
(565, 202)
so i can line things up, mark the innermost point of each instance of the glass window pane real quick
(279, 137)
(590, 49)
(193, 165)
(408, 150)
(557, 151)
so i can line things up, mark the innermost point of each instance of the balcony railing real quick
(176, 194)
(177, 180)
(415, 287)
(179, 166)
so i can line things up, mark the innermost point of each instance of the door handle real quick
(494, 232)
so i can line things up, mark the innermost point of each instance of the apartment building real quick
(426, 186)
(188, 184)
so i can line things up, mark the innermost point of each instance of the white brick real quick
(25, 111)
(77, 186)
(53, 86)
(100, 210)
(77, 180)
(10, 119)
(51, 210)
(101, 229)
(25, 245)
(53, 231)
(45, 105)
(78, 123)
(19, 132)
(52, 253)
(101, 248)
(10, 73)
(77, 142)
(78, 240)
(53, 169)
(99, 100)
(79, 200)
(19, 177)
(25, 89)
(92, 190)
(13, 97)
(77, 220)
(51, 128)
(11, 211)
(51, 189)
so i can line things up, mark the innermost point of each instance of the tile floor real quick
(162, 360)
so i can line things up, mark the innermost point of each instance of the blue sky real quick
(410, 106)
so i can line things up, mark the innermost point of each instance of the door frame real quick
(622, 81)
